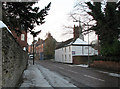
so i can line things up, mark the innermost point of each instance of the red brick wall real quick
(109, 65)
(81, 59)
(29, 48)
(76, 31)
(22, 43)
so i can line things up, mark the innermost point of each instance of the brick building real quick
(38, 49)
(22, 39)
(30, 49)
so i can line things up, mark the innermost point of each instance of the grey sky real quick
(56, 20)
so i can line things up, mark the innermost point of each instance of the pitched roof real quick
(72, 41)
(39, 42)
(79, 41)
(62, 44)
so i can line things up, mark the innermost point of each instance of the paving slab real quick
(40, 77)
(32, 77)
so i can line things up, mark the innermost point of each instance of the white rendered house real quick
(72, 48)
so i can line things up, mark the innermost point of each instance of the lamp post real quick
(33, 48)
(98, 45)
(34, 35)
(88, 51)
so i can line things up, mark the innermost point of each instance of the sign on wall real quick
(73, 52)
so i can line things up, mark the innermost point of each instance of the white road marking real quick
(72, 71)
(61, 67)
(79, 65)
(68, 70)
(94, 78)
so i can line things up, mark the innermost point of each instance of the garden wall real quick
(14, 60)
(81, 59)
(109, 65)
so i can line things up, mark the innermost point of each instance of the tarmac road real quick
(82, 77)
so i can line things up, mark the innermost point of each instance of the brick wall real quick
(14, 60)
(81, 59)
(18, 38)
(108, 65)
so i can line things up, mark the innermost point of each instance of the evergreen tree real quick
(107, 26)
(22, 15)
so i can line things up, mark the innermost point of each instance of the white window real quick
(23, 37)
(69, 49)
(69, 57)
(82, 49)
(65, 49)
(65, 57)
(62, 57)
(86, 47)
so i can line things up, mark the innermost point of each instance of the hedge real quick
(103, 58)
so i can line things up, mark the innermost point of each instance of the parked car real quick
(30, 57)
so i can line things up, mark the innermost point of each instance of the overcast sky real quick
(56, 20)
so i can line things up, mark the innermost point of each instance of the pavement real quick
(38, 76)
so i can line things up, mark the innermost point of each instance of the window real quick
(62, 57)
(69, 57)
(86, 47)
(65, 49)
(82, 49)
(69, 49)
(23, 37)
(65, 57)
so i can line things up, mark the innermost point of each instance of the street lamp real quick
(34, 34)
(88, 51)
(98, 45)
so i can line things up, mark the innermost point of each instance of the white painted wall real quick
(58, 55)
(65, 54)
(83, 51)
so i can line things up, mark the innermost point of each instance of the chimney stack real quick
(76, 32)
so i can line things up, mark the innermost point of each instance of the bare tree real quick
(79, 14)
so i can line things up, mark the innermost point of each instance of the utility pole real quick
(34, 35)
(88, 51)
(33, 48)
(98, 45)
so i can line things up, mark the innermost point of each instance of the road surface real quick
(82, 77)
